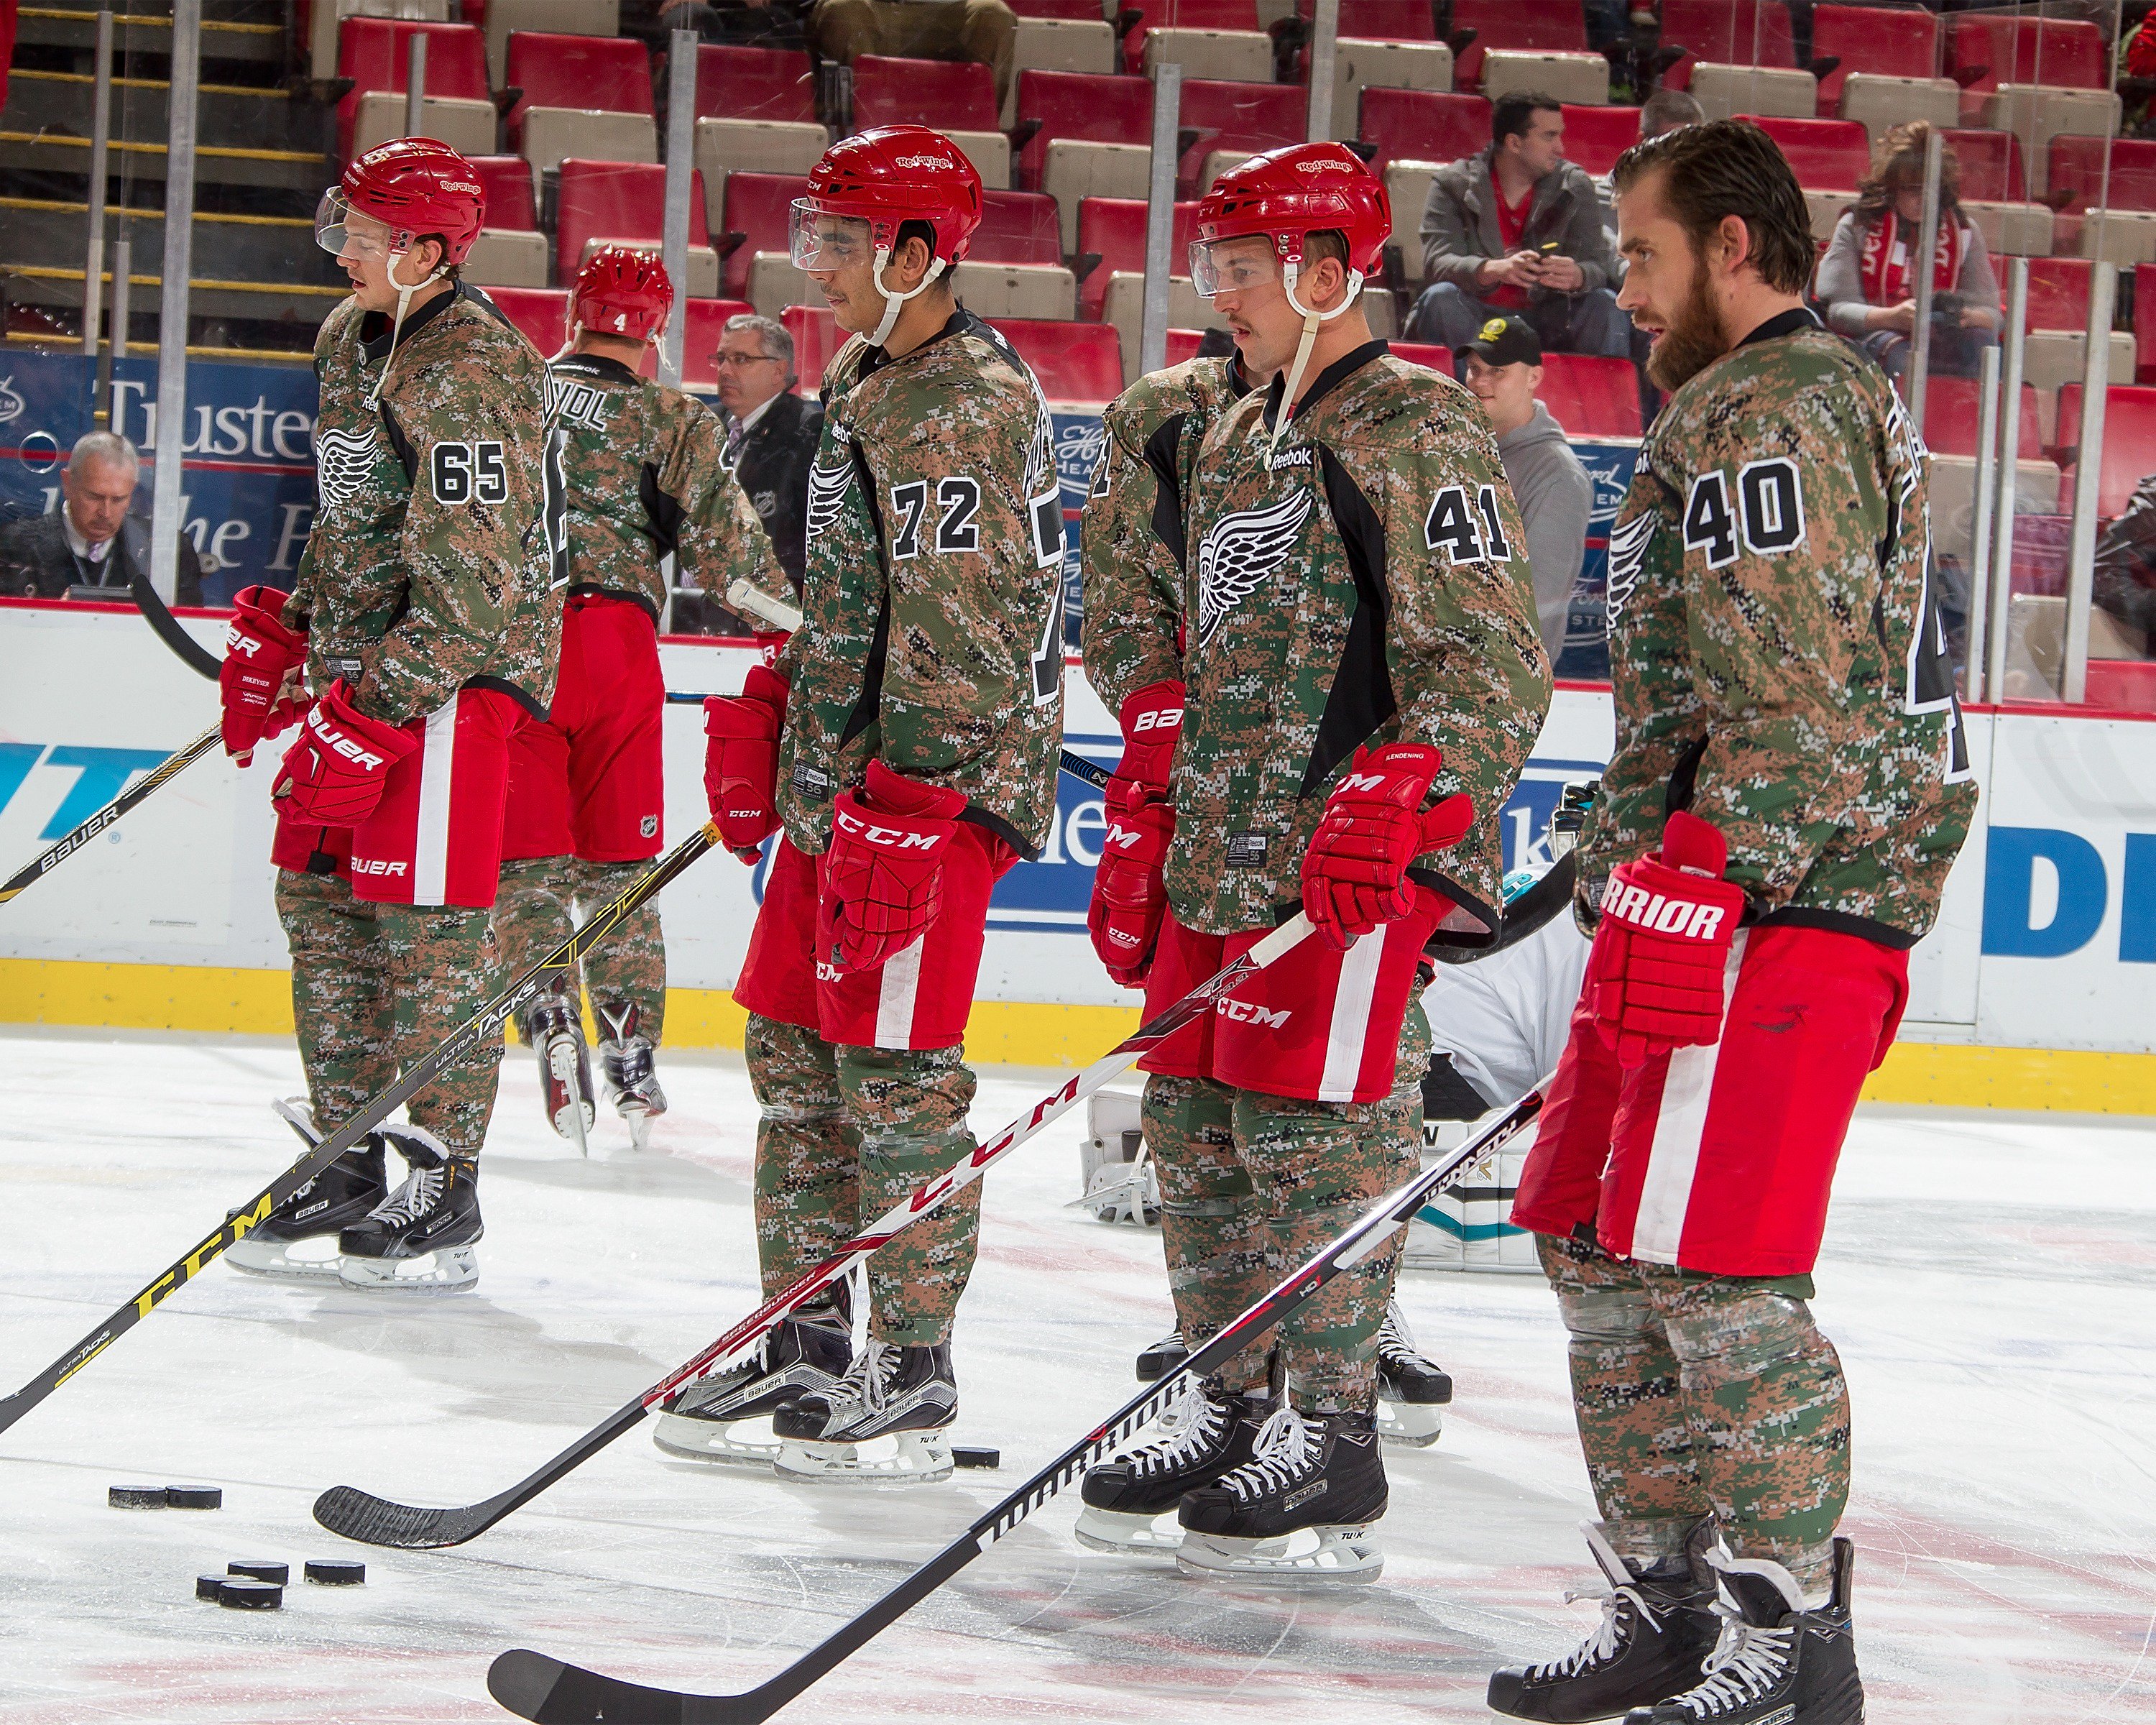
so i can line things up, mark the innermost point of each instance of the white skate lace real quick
(1746, 1662)
(1610, 1637)
(1286, 1446)
(869, 1379)
(1189, 1425)
(417, 1196)
(1395, 1343)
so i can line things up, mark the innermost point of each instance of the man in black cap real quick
(1503, 367)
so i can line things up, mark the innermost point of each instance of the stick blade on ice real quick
(549, 1692)
(355, 1514)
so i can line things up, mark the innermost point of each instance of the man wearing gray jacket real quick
(1517, 228)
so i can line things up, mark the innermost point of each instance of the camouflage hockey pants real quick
(376, 987)
(1252, 1185)
(531, 917)
(846, 1133)
(1700, 1393)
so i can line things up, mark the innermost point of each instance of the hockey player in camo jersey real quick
(907, 742)
(587, 791)
(1359, 681)
(1134, 555)
(425, 619)
(1774, 831)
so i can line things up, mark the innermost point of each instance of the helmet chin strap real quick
(396, 324)
(1310, 319)
(895, 303)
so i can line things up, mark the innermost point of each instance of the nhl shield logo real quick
(650, 826)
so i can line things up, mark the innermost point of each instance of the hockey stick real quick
(550, 1692)
(164, 771)
(376, 1520)
(486, 1022)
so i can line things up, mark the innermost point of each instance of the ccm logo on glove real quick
(866, 832)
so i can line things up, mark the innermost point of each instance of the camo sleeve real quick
(485, 477)
(1132, 578)
(721, 540)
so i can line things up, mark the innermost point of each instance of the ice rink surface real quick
(1991, 1280)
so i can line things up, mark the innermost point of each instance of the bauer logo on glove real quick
(335, 772)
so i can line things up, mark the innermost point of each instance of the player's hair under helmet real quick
(622, 291)
(1287, 195)
(412, 188)
(882, 179)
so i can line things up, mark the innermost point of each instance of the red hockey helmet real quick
(886, 176)
(1287, 193)
(622, 291)
(413, 187)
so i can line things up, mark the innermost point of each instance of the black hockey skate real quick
(908, 1394)
(1410, 1388)
(420, 1237)
(1203, 1433)
(702, 1421)
(1777, 1663)
(1658, 1626)
(625, 1058)
(555, 1030)
(341, 1195)
(1316, 1474)
(1163, 1357)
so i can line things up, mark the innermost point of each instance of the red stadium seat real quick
(1229, 115)
(2027, 50)
(1423, 353)
(2058, 294)
(543, 314)
(2123, 686)
(509, 203)
(1116, 228)
(1423, 126)
(372, 52)
(2129, 445)
(754, 83)
(1078, 364)
(1182, 345)
(618, 200)
(1591, 395)
(1990, 165)
(2144, 326)
(1595, 137)
(817, 337)
(1545, 27)
(759, 208)
(2076, 167)
(1075, 11)
(957, 96)
(1725, 33)
(705, 321)
(609, 73)
(1018, 228)
(1872, 38)
(1096, 107)
(1952, 408)
(1187, 15)
(1827, 155)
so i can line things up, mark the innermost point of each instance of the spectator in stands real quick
(2124, 584)
(1503, 367)
(984, 30)
(1517, 228)
(771, 432)
(1866, 280)
(1666, 110)
(91, 540)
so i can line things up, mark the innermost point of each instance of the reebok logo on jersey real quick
(376, 865)
(1248, 851)
(1298, 456)
(1245, 1012)
(1686, 918)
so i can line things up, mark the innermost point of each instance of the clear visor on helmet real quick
(344, 232)
(824, 241)
(1234, 266)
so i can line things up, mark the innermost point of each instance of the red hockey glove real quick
(1130, 898)
(334, 774)
(741, 760)
(770, 643)
(1355, 873)
(1654, 976)
(260, 654)
(883, 878)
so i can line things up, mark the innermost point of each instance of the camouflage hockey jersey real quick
(931, 631)
(1131, 543)
(1775, 647)
(433, 563)
(1365, 581)
(644, 479)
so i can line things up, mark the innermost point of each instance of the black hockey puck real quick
(261, 1570)
(964, 1455)
(194, 1497)
(210, 1586)
(136, 1496)
(335, 1572)
(245, 1595)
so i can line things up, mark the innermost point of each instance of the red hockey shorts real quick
(1720, 1158)
(588, 780)
(435, 838)
(1317, 1024)
(918, 997)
